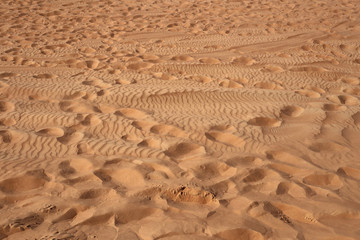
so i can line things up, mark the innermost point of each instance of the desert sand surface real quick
(170, 120)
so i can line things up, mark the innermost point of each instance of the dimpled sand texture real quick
(171, 120)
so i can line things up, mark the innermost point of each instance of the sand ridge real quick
(173, 120)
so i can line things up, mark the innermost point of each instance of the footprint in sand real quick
(7, 75)
(350, 172)
(92, 63)
(74, 96)
(95, 82)
(273, 69)
(45, 76)
(308, 93)
(292, 111)
(168, 130)
(9, 136)
(239, 233)
(328, 180)
(50, 132)
(185, 150)
(210, 61)
(328, 147)
(131, 113)
(78, 107)
(351, 80)
(6, 106)
(124, 81)
(143, 125)
(133, 213)
(356, 118)
(202, 79)
(7, 122)
(225, 138)
(213, 170)
(183, 58)
(93, 193)
(151, 143)
(246, 61)
(348, 100)
(268, 85)
(255, 175)
(75, 165)
(334, 107)
(184, 194)
(30, 181)
(70, 137)
(265, 122)
(140, 66)
(230, 84)
(308, 69)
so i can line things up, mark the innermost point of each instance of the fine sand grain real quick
(171, 120)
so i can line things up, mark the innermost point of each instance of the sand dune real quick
(207, 119)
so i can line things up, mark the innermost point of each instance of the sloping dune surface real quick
(171, 120)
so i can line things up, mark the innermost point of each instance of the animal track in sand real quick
(185, 150)
(265, 122)
(50, 132)
(292, 111)
(226, 138)
(6, 106)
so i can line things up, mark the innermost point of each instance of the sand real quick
(206, 119)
